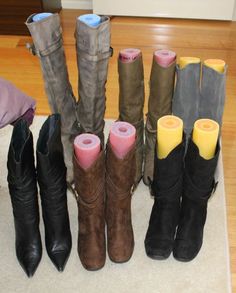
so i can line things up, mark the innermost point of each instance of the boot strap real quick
(98, 57)
(172, 193)
(121, 194)
(196, 194)
(42, 53)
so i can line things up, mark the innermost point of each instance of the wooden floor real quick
(205, 39)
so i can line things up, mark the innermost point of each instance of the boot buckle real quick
(31, 48)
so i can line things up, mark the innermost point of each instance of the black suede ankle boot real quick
(167, 190)
(197, 188)
(51, 173)
(23, 190)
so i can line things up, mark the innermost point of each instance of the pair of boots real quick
(131, 103)
(181, 187)
(104, 197)
(93, 52)
(199, 93)
(50, 174)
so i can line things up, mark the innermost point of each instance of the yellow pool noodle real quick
(216, 64)
(205, 136)
(184, 61)
(169, 134)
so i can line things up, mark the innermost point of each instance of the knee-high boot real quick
(23, 190)
(51, 175)
(48, 46)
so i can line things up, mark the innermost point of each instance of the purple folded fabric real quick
(14, 104)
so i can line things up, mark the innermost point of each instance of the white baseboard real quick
(77, 4)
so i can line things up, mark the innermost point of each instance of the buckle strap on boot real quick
(196, 194)
(98, 57)
(42, 53)
(170, 194)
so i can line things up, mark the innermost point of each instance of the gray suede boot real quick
(187, 95)
(159, 104)
(47, 39)
(131, 102)
(212, 94)
(93, 53)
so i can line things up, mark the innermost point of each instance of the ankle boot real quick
(23, 190)
(212, 94)
(187, 95)
(159, 104)
(131, 102)
(48, 46)
(167, 190)
(120, 176)
(93, 53)
(51, 173)
(197, 188)
(90, 190)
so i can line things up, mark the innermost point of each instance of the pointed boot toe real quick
(59, 259)
(30, 263)
(158, 249)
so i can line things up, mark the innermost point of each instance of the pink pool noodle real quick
(87, 148)
(129, 55)
(122, 138)
(164, 57)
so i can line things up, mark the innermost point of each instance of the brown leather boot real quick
(90, 188)
(120, 178)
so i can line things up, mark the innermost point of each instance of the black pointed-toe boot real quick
(198, 186)
(166, 188)
(51, 174)
(23, 190)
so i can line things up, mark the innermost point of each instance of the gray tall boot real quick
(131, 102)
(93, 52)
(187, 95)
(47, 39)
(159, 104)
(212, 94)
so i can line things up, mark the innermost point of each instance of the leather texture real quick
(197, 188)
(131, 103)
(159, 104)
(51, 175)
(120, 179)
(23, 191)
(213, 94)
(187, 95)
(93, 53)
(48, 46)
(167, 190)
(90, 188)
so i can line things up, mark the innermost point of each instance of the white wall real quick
(77, 4)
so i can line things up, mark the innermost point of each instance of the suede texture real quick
(131, 103)
(90, 187)
(187, 95)
(93, 53)
(48, 46)
(23, 191)
(197, 188)
(120, 178)
(51, 175)
(159, 104)
(167, 190)
(213, 93)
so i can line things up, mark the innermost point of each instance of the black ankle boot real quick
(23, 190)
(167, 190)
(51, 173)
(197, 189)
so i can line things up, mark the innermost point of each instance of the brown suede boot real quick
(131, 102)
(120, 175)
(159, 104)
(90, 188)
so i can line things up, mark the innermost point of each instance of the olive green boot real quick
(131, 102)
(159, 104)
